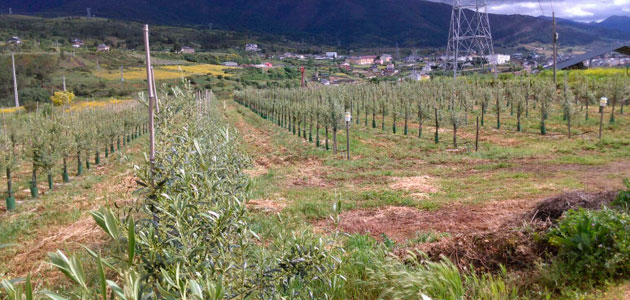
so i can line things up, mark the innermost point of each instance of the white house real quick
(498, 59)
(187, 50)
(252, 47)
(102, 48)
(331, 54)
(15, 40)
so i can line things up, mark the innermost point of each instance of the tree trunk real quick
(455, 135)
(394, 124)
(9, 183)
(477, 136)
(498, 114)
(327, 147)
(420, 121)
(483, 112)
(65, 176)
(317, 131)
(79, 164)
(335, 139)
(569, 123)
(34, 189)
(310, 129)
(437, 127)
(383, 120)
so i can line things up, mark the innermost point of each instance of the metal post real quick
(15, 87)
(151, 98)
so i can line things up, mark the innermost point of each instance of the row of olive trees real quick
(193, 238)
(440, 102)
(47, 139)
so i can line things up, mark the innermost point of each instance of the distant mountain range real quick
(355, 23)
(621, 23)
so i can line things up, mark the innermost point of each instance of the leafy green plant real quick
(592, 246)
(623, 197)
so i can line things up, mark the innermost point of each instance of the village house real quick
(77, 43)
(252, 47)
(14, 40)
(418, 76)
(331, 55)
(187, 50)
(230, 64)
(361, 60)
(102, 48)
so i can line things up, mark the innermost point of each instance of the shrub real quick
(62, 98)
(32, 95)
(623, 198)
(593, 246)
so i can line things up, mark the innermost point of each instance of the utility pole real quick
(64, 83)
(302, 71)
(15, 88)
(555, 50)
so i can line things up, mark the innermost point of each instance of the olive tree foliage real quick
(523, 101)
(47, 138)
(192, 236)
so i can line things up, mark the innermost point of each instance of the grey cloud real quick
(578, 10)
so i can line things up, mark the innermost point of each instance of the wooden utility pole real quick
(151, 98)
(15, 88)
(555, 50)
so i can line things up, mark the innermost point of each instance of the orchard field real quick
(470, 189)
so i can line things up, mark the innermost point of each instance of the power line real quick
(541, 8)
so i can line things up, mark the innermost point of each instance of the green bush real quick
(623, 198)
(32, 95)
(593, 246)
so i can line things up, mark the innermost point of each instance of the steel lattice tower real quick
(469, 33)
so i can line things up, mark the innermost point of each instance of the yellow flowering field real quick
(165, 72)
(97, 104)
(10, 109)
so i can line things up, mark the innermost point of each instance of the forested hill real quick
(411, 23)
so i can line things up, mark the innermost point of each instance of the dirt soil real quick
(486, 236)
(553, 208)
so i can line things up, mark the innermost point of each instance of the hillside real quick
(411, 23)
(621, 23)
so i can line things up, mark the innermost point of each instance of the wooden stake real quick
(15, 87)
(151, 98)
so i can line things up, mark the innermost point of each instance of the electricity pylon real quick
(469, 34)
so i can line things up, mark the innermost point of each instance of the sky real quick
(577, 10)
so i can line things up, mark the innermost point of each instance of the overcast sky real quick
(578, 10)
